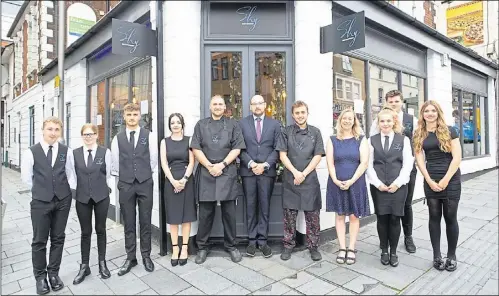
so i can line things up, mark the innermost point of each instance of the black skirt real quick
(180, 207)
(386, 203)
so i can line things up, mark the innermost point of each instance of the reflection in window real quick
(97, 109)
(382, 81)
(468, 124)
(413, 92)
(482, 128)
(229, 88)
(270, 83)
(348, 87)
(214, 69)
(118, 98)
(142, 93)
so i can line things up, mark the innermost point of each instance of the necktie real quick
(49, 155)
(387, 144)
(89, 159)
(132, 139)
(258, 129)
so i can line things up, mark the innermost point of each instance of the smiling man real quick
(47, 169)
(134, 154)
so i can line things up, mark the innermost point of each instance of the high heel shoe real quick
(183, 261)
(175, 261)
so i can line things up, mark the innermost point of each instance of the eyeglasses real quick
(88, 135)
(257, 103)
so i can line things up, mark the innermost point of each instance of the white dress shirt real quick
(27, 162)
(107, 159)
(375, 130)
(115, 151)
(407, 164)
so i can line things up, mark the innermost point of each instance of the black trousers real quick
(84, 212)
(407, 219)
(257, 192)
(388, 232)
(206, 216)
(48, 218)
(132, 195)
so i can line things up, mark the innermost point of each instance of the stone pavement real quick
(476, 274)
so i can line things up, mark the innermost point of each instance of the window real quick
(32, 125)
(349, 86)
(214, 69)
(413, 92)
(236, 66)
(118, 98)
(97, 109)
(68, 124)
(229, 89)
(381, 81)
(225, 68)
(142, 93)
(470, 119)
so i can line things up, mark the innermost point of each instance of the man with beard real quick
(134, 154)
(395, 100)
(258, 172)
(216, 143)
(301, 149)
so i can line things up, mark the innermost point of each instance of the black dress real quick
(180, 207)
(437, 164)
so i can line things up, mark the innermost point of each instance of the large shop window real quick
(348, 87)
(470, 116)
(413, 92)
(131, 85)
(381, 81)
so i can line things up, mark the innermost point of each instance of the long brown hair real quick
(442, 131)
(397, 126)
(356, 130)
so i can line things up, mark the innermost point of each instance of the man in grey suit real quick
(258, 172)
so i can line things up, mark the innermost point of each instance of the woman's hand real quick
(345, 185)
(434, 186)
(177, 186)
(443, 184)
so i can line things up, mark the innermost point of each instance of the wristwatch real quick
(186, 177)
(225, 164)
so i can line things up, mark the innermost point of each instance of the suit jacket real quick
(263, 151)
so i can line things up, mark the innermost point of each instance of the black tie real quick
(387, 144)
(132, 139)
(49, 155)
(89, 159)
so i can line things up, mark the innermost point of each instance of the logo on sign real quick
(248, 19)
(348, 34)
(128, 39)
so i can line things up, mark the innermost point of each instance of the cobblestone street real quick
(477, 255)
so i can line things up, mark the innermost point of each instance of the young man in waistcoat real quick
(395, 100)
(47, 169)
(134, 154)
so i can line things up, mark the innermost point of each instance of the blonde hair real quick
(52, 119)
(90, 126)
(356, 129)
(397, 126)
(131, 107)
(442, 131)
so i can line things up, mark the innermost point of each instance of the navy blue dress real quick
(355, 200)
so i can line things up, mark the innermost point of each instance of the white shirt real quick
(27, 162)
(115, 151)
(407, 164)
(107, 159)
(375, 130)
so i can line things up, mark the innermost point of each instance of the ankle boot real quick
(104, 272)
(84, 271)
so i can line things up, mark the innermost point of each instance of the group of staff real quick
(57, 174)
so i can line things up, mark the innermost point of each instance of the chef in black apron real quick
(216, 143)
(301, 149)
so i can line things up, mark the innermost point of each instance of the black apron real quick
(216, 143)
(301, 149)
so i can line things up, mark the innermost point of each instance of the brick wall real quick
(429, 14)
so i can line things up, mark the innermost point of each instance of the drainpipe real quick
(160, 81)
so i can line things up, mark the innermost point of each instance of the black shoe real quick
(104, 272)
(315, 255)
(385, 258)
(410, 247)
(438, 263)
(450, 264)
(201, 256)
(183, 261)
(56, 283)
(235, 256)
(127, 266)
(394, 260)
(174, 262)
(266, 250)
(148, 265)
(286, 254)
(42, 287)
(251, 250)
(84, 271)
